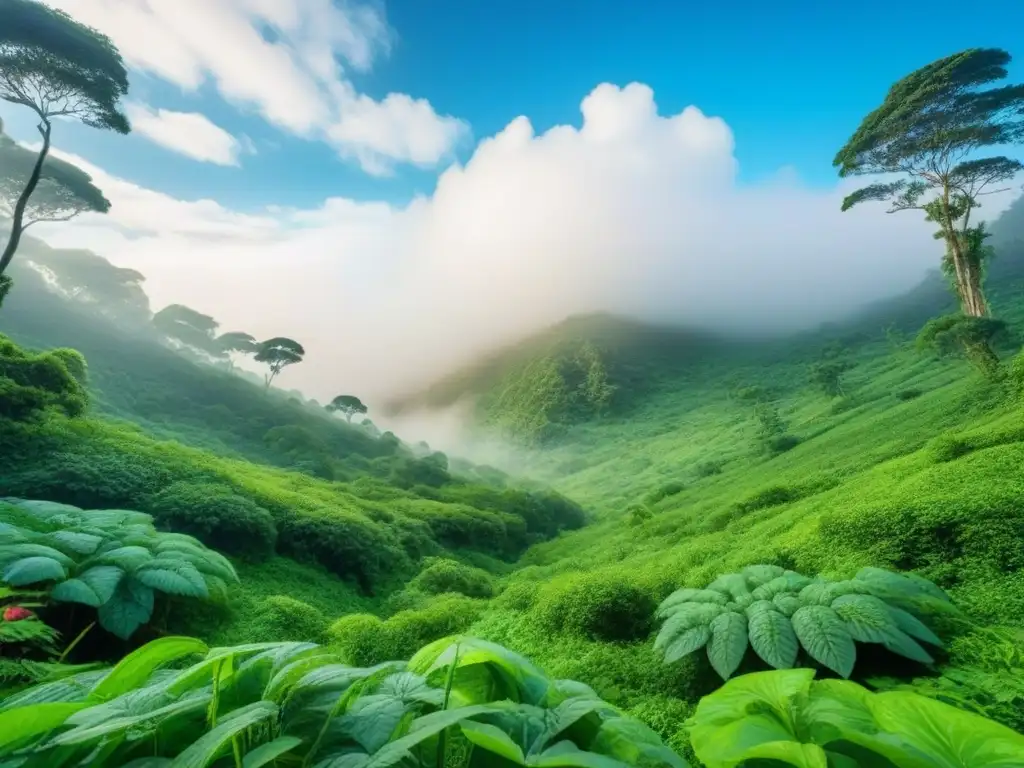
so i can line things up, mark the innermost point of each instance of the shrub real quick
(708, 468)
(638, 514)
(443, 575)
(365, 639)
(285, 618)
(777, 612)
(598, 607)
(774, 496)
(908, 394)
(519, 595)
(113, 561)
(948, 447)
(781, 444)
(31, 383)
(668, 489)
(217, 516)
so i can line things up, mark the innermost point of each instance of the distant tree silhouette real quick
(347, 405)
(278, 353)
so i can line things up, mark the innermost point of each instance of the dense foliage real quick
(455, 703)
(110, 560)
(777, 612)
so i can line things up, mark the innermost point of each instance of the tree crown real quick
(57, 66)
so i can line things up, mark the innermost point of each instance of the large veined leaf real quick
(76, 591)
(128, 609)
(32, 570)
(421, 729)
(494, 740)
(137, 667)
(76, 541)
(680, 596)
(687, 616)
(756, 575)
(686, 643)
(13, 552)
(173, 576)
(914, 627)
(772, 638)
(68, 690)
(745, 712)
(371, 720)
(825, 638)
(634, 743)
(129, 558)
(20, 725)
(266, 754)
(867, 618)
(728, 642)
(208, 747)
(942, 736)
(790, 753)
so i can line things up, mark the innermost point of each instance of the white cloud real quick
(293, 76)
(187, 133)
(632, 213)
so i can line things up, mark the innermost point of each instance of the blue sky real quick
(791, 79)
(277, 145)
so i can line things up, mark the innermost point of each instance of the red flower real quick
(17, 613)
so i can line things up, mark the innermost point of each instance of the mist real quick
(631, 213)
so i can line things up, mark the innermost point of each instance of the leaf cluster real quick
(786, 717)
(111, 560)
(461, 702)
(778, 612)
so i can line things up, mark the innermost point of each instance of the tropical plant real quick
(59, 69)
(458, 702)
(112, 560)
(786, 717)
(777, 612)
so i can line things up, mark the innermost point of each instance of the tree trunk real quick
(19, 209)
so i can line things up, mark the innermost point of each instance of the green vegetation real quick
(177, 493)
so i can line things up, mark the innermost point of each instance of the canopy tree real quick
(56, 67)
(86, 276)
(347, 405)
(929, 131)
(278, 353)
(63, 190)
(237, 341)
(192, 328)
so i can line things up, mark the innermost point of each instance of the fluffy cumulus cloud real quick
(188, 133)
(631, 212)
(287, 60)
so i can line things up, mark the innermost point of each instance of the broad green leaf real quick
(906, 646)
(76, 591)
(266, 754)
(634, 743)
(728, 643)
(790, 753)
(681, 596)
(128, 609)
(173, 576)
(786, 604)
(687, 616)
(24, 723)
(371, 720)
(815, 593)
(103, 579)
(867, 618)
(76, 541)
(686, 643)
(732, 584)
(760, 690)
(762, 574)
(208, 747)
(724, 745)
(494, 740)
(823, 635)
(565, 754)
(21, 550)
(71, 689)
(914, 627)
(137, 667)
(773, 639)
(777, 586)
(423, 728)
(946, 737)
(129, 558)
(121, 718)
(32, 570)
